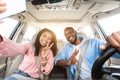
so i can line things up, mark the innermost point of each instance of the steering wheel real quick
(104, 73)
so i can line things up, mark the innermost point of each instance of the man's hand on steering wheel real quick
(113, 40)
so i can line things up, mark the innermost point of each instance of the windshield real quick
(110, 24)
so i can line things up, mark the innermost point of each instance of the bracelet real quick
(43, 61)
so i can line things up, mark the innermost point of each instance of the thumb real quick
(103, 47)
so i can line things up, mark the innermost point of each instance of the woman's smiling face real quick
(45, 39)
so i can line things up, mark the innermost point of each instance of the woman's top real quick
(28, 65)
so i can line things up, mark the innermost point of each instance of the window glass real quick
(29, 35)
(7, 25)
(110, 24)
(89, 32)
(86, 32)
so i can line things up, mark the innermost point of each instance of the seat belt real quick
(41, 76)
(77, 71)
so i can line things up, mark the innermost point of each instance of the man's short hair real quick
(68, 28)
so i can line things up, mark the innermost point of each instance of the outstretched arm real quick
(70, 61)
(10, 48)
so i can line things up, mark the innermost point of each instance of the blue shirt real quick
(91, 53)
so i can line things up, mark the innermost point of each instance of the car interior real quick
(83, 15)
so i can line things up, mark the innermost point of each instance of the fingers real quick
(103, 47)
(75, 52)
(72, 61)
(2, 9)
(2, 4)
(114, 40)
(51, 45)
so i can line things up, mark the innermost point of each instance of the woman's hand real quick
(45, 51)
(2, 6)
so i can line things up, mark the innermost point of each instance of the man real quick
(69, 55)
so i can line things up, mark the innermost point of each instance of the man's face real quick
(70, 35)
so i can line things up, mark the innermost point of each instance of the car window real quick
(112, 23)
(7, 26)
(29, 33)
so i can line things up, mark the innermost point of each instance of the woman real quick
(44, 47)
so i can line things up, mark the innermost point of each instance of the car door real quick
(8, 28)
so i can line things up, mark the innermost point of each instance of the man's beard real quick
(73, 42)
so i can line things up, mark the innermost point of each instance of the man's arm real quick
(70, 61)
(62, 63)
